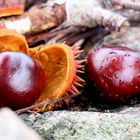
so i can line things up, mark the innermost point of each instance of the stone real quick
(67, 125)
(130, 111)
(13, 128)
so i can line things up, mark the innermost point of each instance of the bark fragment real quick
(38, 18)
(94, 15)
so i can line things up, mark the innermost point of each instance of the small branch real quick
(30, 3)
(32, 39)
(127, 4)
(38, 18)
(102, 32)
(93, 16)
(88, 33)
(98, 35)
(48, 102)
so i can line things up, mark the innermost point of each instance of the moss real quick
(89, 126)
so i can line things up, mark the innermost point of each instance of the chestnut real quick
(115, 72)
(21, 80)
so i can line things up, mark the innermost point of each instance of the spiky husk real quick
(61, 65)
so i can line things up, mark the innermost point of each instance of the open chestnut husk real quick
(34, 75)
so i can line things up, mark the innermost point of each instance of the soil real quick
(89, 100)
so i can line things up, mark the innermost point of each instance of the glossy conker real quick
(21, 80)
(115, 72)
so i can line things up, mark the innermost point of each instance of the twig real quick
(48, 102)
(38, 18)
(32, 39)
(90, 14)
(67, 37)
(90, 32)
(29, 3)
(74, 39)
(98, 35)
(101, 34)
(127, 4)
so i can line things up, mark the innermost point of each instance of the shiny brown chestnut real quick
(115, 72)
(21, 80)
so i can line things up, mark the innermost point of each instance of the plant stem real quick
(48, 102)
